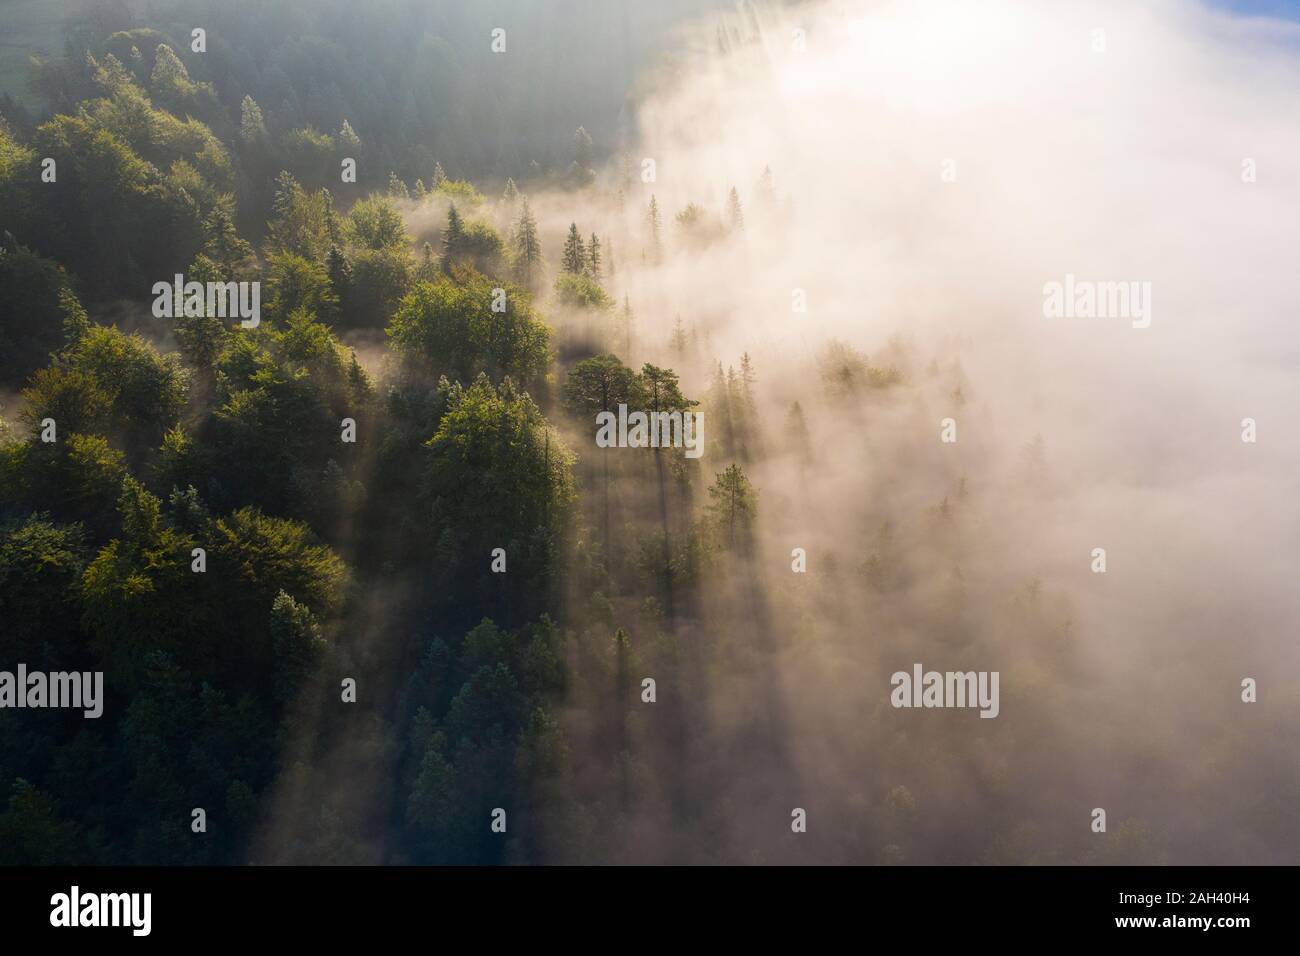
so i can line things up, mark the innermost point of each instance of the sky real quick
(1288, 9)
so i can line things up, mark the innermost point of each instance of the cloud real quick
(936, 164)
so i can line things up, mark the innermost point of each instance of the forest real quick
(363, 581)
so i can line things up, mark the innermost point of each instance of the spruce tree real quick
(528, 250)
(453, 237)
(656, 223)
(574, 258)
(734, 214)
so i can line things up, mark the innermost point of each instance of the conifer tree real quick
(528, 250)
(735, 217)
(340, 272)
(252, 129)
(348, 137)
(656, 224)
(453, 236)
(732, 505)
(574, 257)
(627, 328)
(678, 341)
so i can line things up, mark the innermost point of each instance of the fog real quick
(1121, 690)
(934, 166)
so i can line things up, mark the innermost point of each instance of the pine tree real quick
(766, 190)
(678, 341)
(747, 379)
(396, 188)
(627, 328)
(796, 432)
(348, 137)
(595, 385)
(453, 236)
(76, 322)
(734, 214)
(222, 243)
(732, 504)
(656, 223)
(251, 127)
(574, 257)
(439, 177)
(333, 229)
(582, 148)
(528, 250)
(511, 195)
(593, 258)
(340, 272)
(720, 407)
(661, 393)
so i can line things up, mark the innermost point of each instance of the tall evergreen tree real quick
(735, 217)
(453, 237)
(678, 341)
(574, 257)
(528, 249)
(252, 129)
(655, 222)
(732, 505)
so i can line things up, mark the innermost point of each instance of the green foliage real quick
(450, 324)
(527, 249)
(698, 228)
(574, 256)
(297, 283)
(310, 153)
(73, 398)
(459, 191)
(580, 291)
(480, 247)
(732, 506)
(375, 223)
(378, 281)
(660, 390)
(845, 373)
(232, 255)
(33, 833)
(497, 476)
(171, 86)
(484, 732)
(300, 220)
(40, 577)
(600, 384)
(30, 311)
(147, 388)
